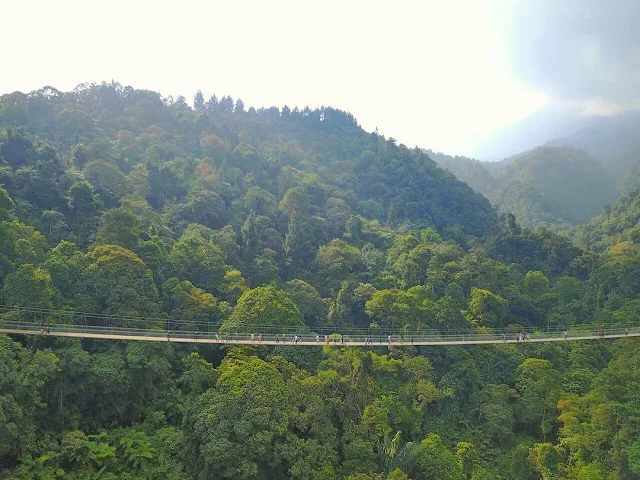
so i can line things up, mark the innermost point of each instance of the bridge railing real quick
(369, 338)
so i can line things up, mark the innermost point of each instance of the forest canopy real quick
(117, 201)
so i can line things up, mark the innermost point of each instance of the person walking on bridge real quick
(168, 336)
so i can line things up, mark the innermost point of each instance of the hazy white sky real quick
(437, 74)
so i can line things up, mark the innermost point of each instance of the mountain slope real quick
(137, 133)
(529, 132)
(472, 172)
(620, 223)
(553, 186)
(548, 186)
(146, 212)
(614, 142)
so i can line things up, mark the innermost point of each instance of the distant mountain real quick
(529, 132)
(553, 186)
(556, 187)
(474, 173)
(614, 142)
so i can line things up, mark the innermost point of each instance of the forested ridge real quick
(121, 202)
(556, 187)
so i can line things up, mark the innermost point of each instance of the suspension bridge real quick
(62, 323)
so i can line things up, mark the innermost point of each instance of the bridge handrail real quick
(143, 324)
(251, 337)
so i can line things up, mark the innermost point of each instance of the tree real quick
(68, 268)
(498, 414)
(233, 285)
(489, 309)
(538, 386)
(24, 375)
(22, 244)
(337, 213)
(196, 257)
(16, 148)
(6, 206)
(447, 315)
(198, 101)
(214, 146)
(119, 227)
(53, 222)
(259, 201)
(536, 284)
(231, 429)
(396, 309)
(121, 282)
(109, 182)
(84, 209)
(546, 459)
(431, 459)
(338, 261)
(29, 286)
(312, 306)
(207, 208)
(467, 454)
(264, 307)
(189, 305)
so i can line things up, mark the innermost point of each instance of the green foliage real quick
(236, 219)
(196, 257)
(263, 306)
(489, 309)
(121, 282)
(554, 187)
(230, 429)
(28, 286)
(312, 306)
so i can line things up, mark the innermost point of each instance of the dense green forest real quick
(119, 201)
(555, 187)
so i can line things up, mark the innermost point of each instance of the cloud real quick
(583, 53)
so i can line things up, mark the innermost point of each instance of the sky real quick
(436, 74)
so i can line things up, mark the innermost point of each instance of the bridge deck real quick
(244, 339)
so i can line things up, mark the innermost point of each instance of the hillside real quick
(619, 224)
(147, 211)
(135, 138)
(474, 173)
(553, 186)
(556, 187)
(614, 142)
